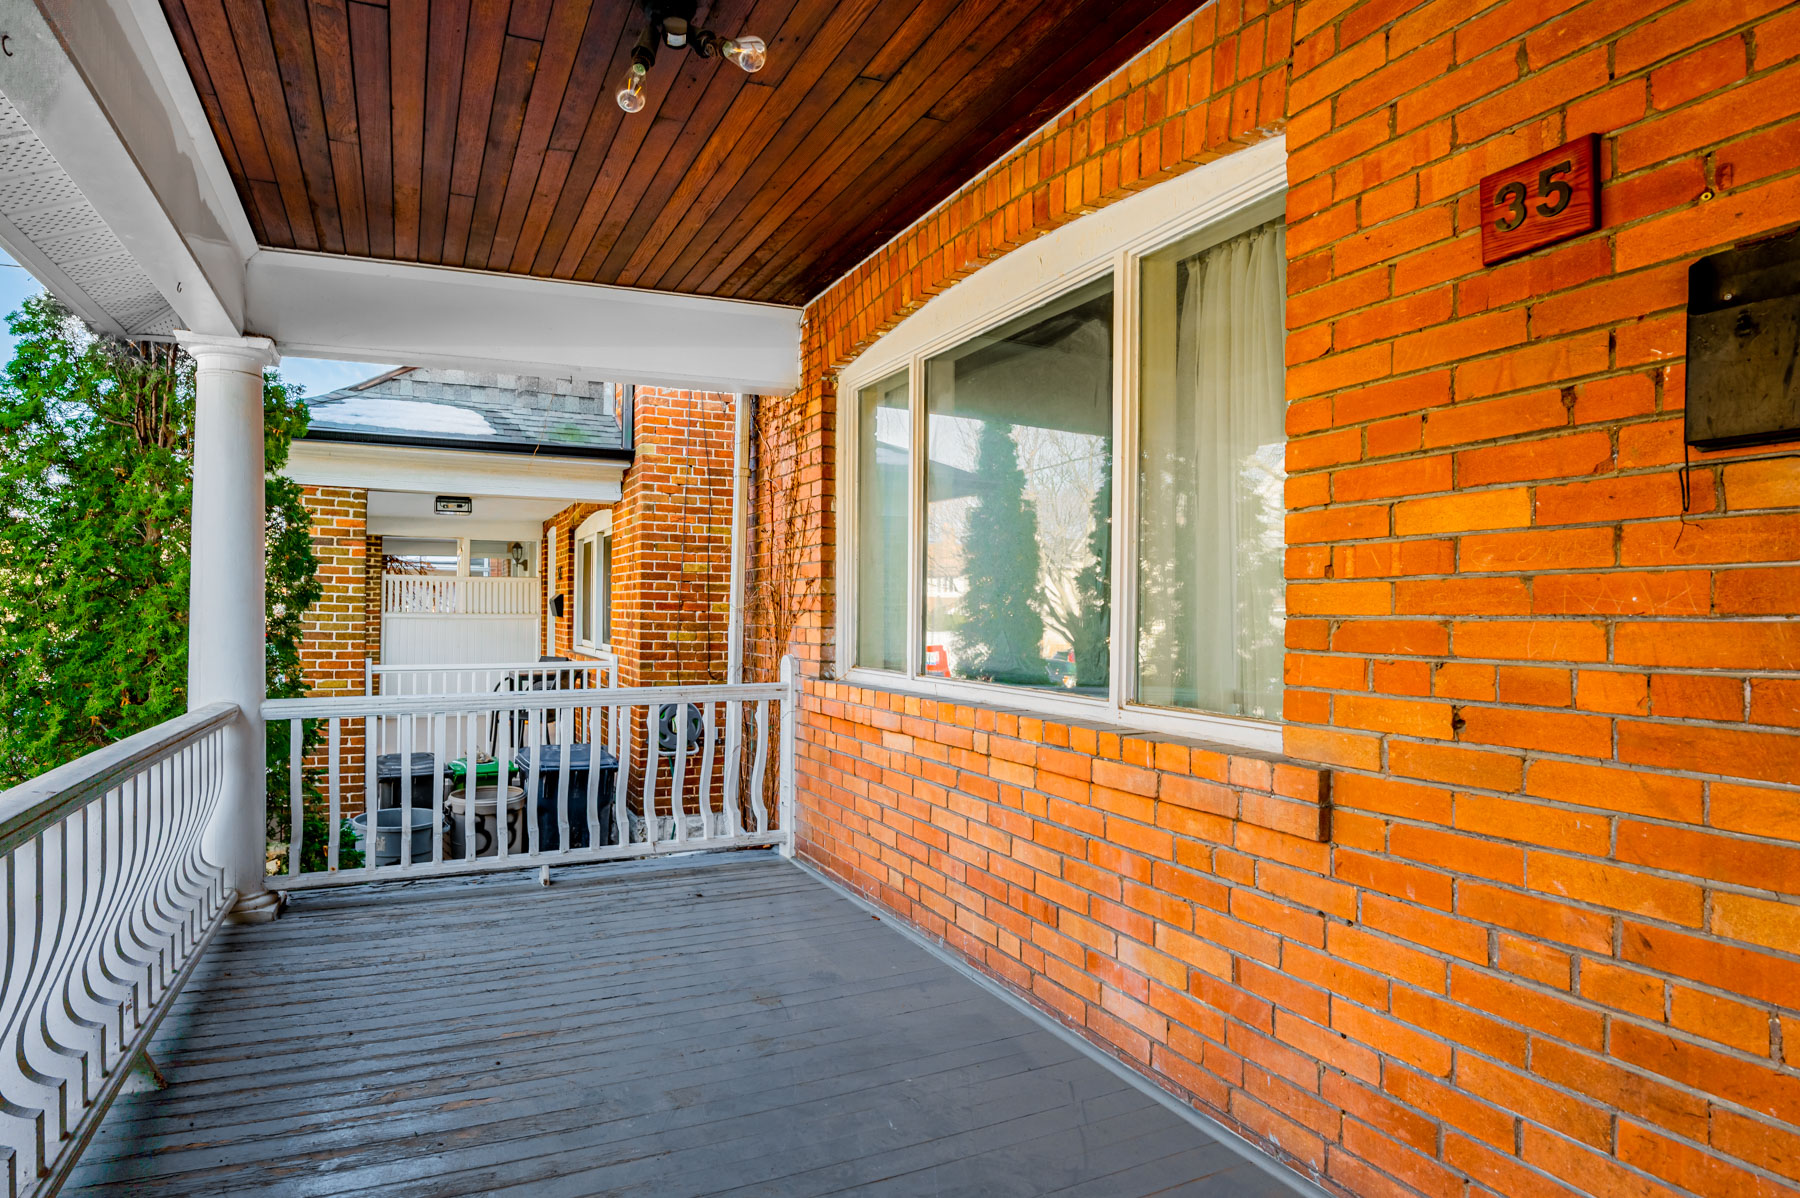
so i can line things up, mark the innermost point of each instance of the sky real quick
(316, 375)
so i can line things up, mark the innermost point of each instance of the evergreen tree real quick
(1089, 625)
(96, 493)
(1001, 635)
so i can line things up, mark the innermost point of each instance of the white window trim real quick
(1229, 196)
(589, 532)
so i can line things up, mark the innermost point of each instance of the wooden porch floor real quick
(725, 1025)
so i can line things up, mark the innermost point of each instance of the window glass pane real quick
(415, 555)
(1211, 473)
(584, 590)
(606, 545)
(884, 466)
(1018, 494)
(502, 559)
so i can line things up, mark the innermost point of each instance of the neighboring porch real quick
(727, 1024)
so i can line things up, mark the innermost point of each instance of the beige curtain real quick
(1211, 607)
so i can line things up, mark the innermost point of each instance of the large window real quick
(593, 582)
(994, 561)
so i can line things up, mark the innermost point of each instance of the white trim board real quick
(455, 472)
(1080, 250)
(448, 528)
(331, 306)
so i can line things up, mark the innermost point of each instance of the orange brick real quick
(1471, 512)
(1603, 885)
(1760, 756)
(1635, 791)
(1533, 640)
(1608, 690)
(1558, 549)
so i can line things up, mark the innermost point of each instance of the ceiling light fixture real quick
(672, 25)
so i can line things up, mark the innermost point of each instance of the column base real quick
(265, 906)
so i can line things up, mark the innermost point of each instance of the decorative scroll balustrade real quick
(109, 902)
(560, 776)
(433, 595)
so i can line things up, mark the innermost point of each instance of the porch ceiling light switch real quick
(1743, 349)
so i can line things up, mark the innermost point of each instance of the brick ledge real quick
(1267, 790)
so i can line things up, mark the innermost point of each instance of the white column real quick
(740, 499)
(226, 626)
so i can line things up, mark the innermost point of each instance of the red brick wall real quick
(559, 575)
(332, 637)
(372, 600)
(1552, 944)
(335, 635)
(671, 543)
(672, 540)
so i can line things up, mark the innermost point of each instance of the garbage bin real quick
(455, 805)
(487, 771)
(549, 764)
(423, 771)
(388, 823)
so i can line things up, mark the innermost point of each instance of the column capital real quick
(219, 352)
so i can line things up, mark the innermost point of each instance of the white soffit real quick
(565, 480)
(50, 229)
(76, 208)
(418, 505)
(331, 306)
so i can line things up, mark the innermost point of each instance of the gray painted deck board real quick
(720, 1026)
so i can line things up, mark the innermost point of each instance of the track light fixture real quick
(672, 25)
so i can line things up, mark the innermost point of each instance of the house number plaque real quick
(1541, 201)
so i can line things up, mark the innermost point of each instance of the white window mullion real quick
(849, 406)
(1124, 474)
(918, 464)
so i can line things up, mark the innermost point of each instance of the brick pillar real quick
(336, 632)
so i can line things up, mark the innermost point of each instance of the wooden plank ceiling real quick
(484, 134)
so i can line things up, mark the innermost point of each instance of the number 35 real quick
(1555, 194)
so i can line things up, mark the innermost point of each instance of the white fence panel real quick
(435, 640)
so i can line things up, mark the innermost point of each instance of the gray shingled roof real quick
(483, 409)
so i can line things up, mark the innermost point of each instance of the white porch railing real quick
(571, 775)
(109, 902)
(582, 673)
(427, 594)
(493, 680)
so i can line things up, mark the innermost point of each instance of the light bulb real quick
(748, 52)
(631, 96)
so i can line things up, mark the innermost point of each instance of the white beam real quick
(329, 306)
(455, 471)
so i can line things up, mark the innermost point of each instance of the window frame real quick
(595, 531)
(1221, 200)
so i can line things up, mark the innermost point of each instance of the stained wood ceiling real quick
(484, 134)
